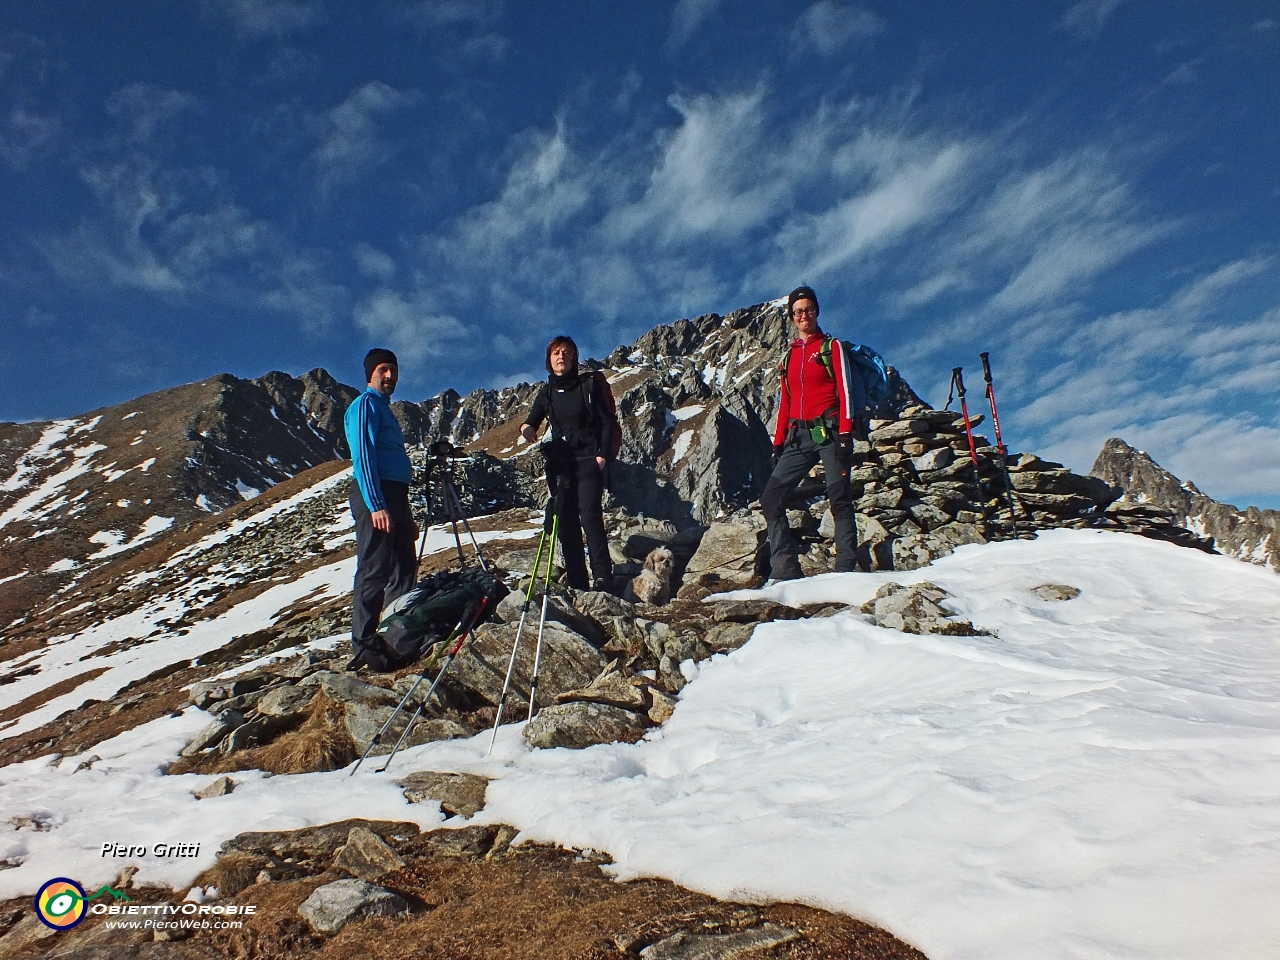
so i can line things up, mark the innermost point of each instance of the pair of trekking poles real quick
(472, 616)
(957, 389)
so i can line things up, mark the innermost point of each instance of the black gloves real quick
(777, 455)
(844, 449)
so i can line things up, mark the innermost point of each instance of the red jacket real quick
(808, 391)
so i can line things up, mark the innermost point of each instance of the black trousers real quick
(799, 455)
(581, 511)
(386, 563)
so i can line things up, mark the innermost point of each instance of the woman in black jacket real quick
(581, 430)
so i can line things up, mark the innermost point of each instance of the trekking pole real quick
(377, 737)
(515, 647)
(1003, 450)
(957, 387)
(470, 618)
(546, 593)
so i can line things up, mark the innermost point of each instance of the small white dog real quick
(653, 585)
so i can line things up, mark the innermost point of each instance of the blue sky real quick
(1090, 191)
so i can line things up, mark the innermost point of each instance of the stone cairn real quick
(918, 497)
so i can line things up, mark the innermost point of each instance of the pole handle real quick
(957, 381)
(986, 367)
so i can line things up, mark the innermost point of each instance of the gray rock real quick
(600, 606)
(367, 856)
(936, 459)
(459, 794)
(344, 688)
(724, 637)
(364, 720)
(578, 725)
(728, 548)
(900, 430)
(725, 946)
(1056, 591)
(558, 610)
(208, 691)
(286, 700)
(334, 905)
(219, 788)
(212, 734)
(568, 662)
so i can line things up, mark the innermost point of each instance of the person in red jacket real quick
(816, 421)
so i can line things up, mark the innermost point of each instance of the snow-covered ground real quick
(1101, 778)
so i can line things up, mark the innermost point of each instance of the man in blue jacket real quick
(386, 564)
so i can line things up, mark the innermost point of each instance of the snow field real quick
(1097, 780)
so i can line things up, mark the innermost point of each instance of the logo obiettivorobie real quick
(60, 904)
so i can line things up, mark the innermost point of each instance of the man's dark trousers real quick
(799, 455)
(386, 564)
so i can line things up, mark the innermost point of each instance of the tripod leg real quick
(542, 623)
(475, 544)
(515, 647)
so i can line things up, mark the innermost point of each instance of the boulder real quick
(344, 688)
(459, 794)
(367, 856)
(208, 691)
(364, 720)
(719, 946)
(219, 788)
(728, 550)
(568, 662)
(1056, 591)
(724, 637)
(558, 610)
(334, 905)
(213, 734)
(936, 459)
(285, 701)
(579, 725)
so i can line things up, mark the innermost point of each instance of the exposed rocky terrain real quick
(1152, 495)
(78, 492)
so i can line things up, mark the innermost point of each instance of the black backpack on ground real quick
(425, 615)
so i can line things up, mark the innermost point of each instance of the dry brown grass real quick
(321, 743)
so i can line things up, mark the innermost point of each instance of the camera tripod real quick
(441, 470)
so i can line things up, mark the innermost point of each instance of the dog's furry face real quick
(653, 585)
(661, 561)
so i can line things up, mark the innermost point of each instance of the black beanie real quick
(802, 293)
(376, 356)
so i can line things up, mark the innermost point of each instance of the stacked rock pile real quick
(918, 497)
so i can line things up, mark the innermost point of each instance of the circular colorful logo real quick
(60, 903)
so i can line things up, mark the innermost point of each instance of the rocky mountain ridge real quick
(79, 492)
(1155, 494)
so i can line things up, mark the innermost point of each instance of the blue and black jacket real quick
(377, 447)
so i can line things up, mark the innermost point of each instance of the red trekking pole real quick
(1004, 451)
(957, 389)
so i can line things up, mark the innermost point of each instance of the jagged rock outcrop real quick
(1156, 503)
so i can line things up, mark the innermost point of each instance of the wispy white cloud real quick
(828, 27)
(413, 326)
(353, 143)
(268, 18)
(372, 262)
(464, 28)
(26, 136)
(686, 18)
(1086, 19)
(144, 107)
